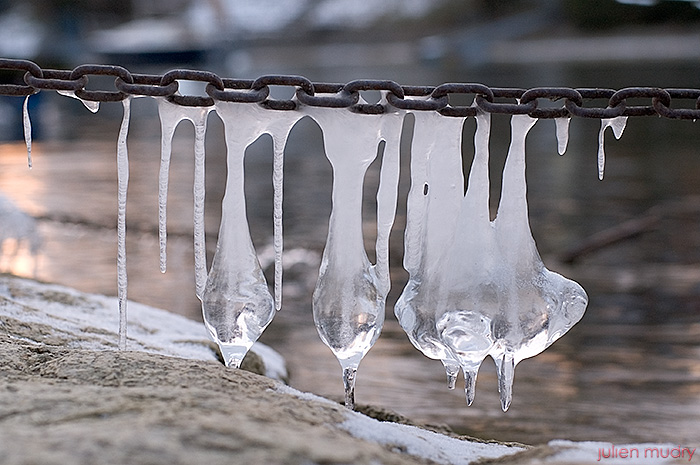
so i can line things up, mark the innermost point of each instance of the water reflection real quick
(629, 371)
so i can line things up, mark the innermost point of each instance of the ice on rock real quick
(618, 126)
(170, 116)
(350, 295)
(432, 206)
(236, 303)
(535, 306)
(123, 184)
(27, 126)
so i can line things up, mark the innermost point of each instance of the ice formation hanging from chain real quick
(618, 126)
(27, 126)
(436, 190)
(236, 303)
(350, 295)
(123, 184)
(477, 287)
(170, 116)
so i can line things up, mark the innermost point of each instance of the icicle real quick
(236, 303)
(123, 183)
(433, 204)
(349, 299)
(278, 238)
(535, 306)
(170, 116)
(618, 126)
(93, 106)
(27, 124)
(562, 134)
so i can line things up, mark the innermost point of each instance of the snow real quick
(423, 443)
(91, 319)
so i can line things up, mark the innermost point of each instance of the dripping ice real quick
(236, 303)
(350, 295)
(618, 126)
(477, 287)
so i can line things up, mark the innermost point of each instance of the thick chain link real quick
(417, 98)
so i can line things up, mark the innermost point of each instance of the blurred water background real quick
(629, 371)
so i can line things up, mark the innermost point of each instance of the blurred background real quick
(629, 371)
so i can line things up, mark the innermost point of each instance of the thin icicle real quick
(618, 126)
(170, 116)
(89, 104)
(200, 245)
(27, 124)
(278, 186)
(123, 183)
(562, 134)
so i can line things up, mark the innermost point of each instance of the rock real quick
(68, 397)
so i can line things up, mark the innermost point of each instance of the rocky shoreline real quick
(68, 397)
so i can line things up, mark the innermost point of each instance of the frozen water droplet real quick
(89, 104)
(562, 134)
(123, 184)
(236, 303)
(505, 367)
(451, 370)
(350, 295)
(27, 125)
(618, 126)
(470, 384)
(349, 385)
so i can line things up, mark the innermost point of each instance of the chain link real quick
(662, 102)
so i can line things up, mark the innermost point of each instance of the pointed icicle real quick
(89, 104)
(506, 371)
(236, 303)
(27, 125)
(618, 126)
(123, 184)
(451, 370)
(562, 134)
(470, 375)
(350, 295)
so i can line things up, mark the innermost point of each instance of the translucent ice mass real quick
(350, 295)
(477, 287)
(236, 303)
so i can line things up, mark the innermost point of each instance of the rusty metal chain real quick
(512, 101)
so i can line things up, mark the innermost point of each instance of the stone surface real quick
(67, 397)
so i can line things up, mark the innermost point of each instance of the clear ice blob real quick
(123, 184)
(350, 295)
(170, 116)
(535, 306)
(27, 126)
(618, 126)
(236, 303)
(432, 207)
